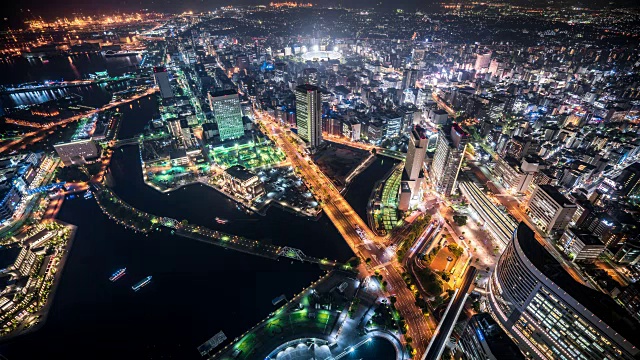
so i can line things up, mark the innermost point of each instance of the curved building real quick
(549, 314)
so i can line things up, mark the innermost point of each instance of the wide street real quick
(345, 219)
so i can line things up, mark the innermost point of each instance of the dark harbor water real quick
(17, 70)
(196, 291)
(378, 349)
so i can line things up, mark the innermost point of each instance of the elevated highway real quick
(445, 328)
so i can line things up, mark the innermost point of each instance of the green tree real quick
(71, 174)
(460, 220)
(354, 261)
(455, 250)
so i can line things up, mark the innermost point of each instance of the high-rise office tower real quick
(409, 78)
(161, 77)
(447, 159)
(227, 114)
(483, 60)
(413, 175)
(628, 182)
(416, 152)
(309, 115)
(549, 313)
(310, 76)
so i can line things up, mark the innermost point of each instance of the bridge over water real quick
(124, 142)
(245, 245)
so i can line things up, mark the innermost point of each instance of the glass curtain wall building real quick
(227, 113)
(549, 314)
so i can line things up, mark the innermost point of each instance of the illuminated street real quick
(307, 180)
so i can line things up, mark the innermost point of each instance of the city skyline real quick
(369, 181)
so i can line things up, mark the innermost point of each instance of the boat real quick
(221, 220)
(118, 274)
(144, 282)
(88, 194)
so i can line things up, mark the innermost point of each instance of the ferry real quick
(221, 220)
(144, 282)
(118, 274)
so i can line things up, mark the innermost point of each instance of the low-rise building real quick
(179, 157)
(516, 175)
(243, 182)
(77, 152)
(581, 245)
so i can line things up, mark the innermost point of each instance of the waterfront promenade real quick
(137, 220)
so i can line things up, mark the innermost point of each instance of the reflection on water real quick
(18, 70)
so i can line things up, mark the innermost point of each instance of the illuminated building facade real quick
(551, 315)
(483, 60)
(581, 245)
(227, 113)
(77, 152)
(309, 114)
(447, 159)
(515, 175)
(413, 174)
(549, 209)
(310, 76)
(243, 182)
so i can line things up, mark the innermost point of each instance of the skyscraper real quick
(409, 78)
(483, 60)
(413, 176)
(448, 159)
(227, 113)
(161, 76)
(308, 114)
(416, 153)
